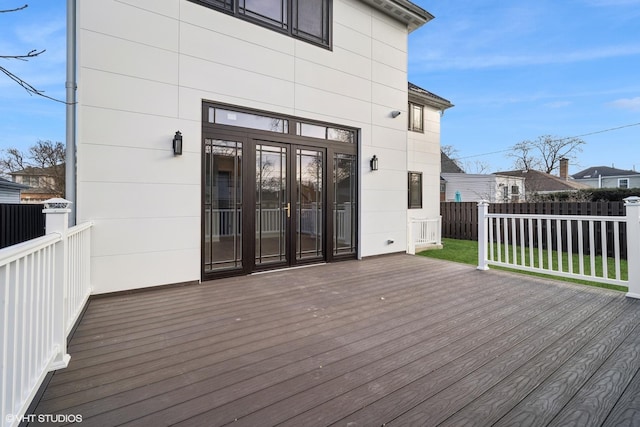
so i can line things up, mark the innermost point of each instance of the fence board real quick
(20, 222)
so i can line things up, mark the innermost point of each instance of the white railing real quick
(424, 232)
(574, 246)
(226, 222)
(44, 285)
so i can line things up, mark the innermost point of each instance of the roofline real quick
(423, 96)
(11, 184)
(410, 14)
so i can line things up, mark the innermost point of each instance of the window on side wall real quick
(415, 190)
(623, 182)
(416, 117)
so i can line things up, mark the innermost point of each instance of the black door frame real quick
(249, 138)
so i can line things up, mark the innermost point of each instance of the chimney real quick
(564, 168)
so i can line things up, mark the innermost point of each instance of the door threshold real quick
(275, 270)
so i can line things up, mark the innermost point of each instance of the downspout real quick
(70, 168)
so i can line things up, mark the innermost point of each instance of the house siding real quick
(144, 69)
(476, 187)
(610, 181)
(9, 195)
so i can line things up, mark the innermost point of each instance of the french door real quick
(289, 204)
(264, 204)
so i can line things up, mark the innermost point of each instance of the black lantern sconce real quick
(177, 144)
(374, 163)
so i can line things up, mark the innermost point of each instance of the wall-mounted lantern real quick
(373, 163)
(177, 144)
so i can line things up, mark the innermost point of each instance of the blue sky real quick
(515, 70)
(519, 69)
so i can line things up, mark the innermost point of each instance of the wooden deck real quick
(395, 340)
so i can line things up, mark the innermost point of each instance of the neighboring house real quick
(300, 141)
(538, 182)
(10, 191)
(608, 177)
(446, 166)
(495, 188)
(42, 183)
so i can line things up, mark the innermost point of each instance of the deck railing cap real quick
(632, 200)
(57, 203)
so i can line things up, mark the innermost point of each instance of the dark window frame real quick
(289, 25)
(412, 125)
(626, 182)
(410, 190)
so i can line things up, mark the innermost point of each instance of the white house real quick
(298, 140)
(10, 191)
(496, 188)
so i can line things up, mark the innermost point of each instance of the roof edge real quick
(402, 10)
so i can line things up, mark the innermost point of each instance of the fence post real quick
(633, 245)
(483, 211)
(57, 221)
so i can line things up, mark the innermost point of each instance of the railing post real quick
(633, 245)
(411, 250)
(483, 211)
(57, 221)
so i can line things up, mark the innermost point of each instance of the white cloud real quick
(632, 104)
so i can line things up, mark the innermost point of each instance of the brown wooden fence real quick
(460, 220)
(20, 222)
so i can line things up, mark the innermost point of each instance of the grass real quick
(466, 252)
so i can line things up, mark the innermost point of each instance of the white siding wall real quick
(476, 187)
(423, 155)
(9, 195)
(144, 68)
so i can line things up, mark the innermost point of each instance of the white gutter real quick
(70, 167)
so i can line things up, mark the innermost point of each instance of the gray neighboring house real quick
(608, 177)
(10, 191)
(538, 182)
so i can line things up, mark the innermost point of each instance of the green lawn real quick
(466, 251)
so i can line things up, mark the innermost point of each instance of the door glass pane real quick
(309, 203)
(272, 204)
(222, 205)
(345, 207)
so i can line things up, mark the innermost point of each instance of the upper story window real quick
(416, 117)
(623, 182)
(309, 20)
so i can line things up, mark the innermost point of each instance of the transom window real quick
(416, 117)
(309, 20)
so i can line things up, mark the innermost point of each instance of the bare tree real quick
(545, 152)
(452, 154)
(31, 90)
(477, 166)
(45, 159)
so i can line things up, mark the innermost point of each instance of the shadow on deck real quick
(395, 340)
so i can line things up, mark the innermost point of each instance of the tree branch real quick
(28, 87)
(31, 54)
(14, 10)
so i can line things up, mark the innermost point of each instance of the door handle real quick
(288, 208)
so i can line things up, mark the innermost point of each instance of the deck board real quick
(395, 339)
